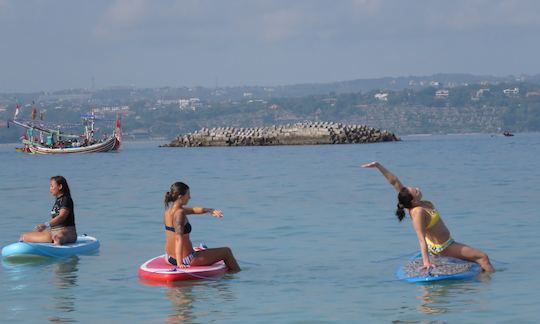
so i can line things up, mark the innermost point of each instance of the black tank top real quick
(67, 203)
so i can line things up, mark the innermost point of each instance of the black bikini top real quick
(187, 228)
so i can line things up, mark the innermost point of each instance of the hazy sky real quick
(59, 44)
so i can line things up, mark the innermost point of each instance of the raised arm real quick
(392, 179)
(202, 210)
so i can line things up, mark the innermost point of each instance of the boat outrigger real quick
(41, 139)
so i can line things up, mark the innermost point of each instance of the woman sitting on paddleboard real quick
(178, 246)
(432, 233)
(61, 228)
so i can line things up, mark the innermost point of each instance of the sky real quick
(62, 44)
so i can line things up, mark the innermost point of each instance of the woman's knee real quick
(482, 256)
(223, 249)
(25, 236)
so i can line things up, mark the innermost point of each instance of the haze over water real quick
(314, 232)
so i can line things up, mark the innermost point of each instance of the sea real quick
(315, 234)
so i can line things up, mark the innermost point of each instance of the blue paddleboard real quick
(84, 244)
(447, 268)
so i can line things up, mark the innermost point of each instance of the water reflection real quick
(63, 297)
(432, 299)
(441, 297)
(30, 277)
(184, 297)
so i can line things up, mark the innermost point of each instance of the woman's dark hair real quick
(63, 182)
(177, 189)
(404, 201)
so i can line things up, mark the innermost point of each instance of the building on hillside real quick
(442, 94)
(330, 101)
(381, 96)
(480, 93)
(511, 92)
(124, 110)
(189, 104)
(165, 102)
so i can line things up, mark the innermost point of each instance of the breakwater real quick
(307, 133)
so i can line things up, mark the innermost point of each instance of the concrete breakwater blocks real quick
(307, 133)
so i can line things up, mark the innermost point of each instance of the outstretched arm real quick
(394, 181)
(202, 210)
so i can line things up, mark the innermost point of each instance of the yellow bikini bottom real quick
(436, 248)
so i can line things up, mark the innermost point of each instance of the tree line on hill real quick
(434, 108)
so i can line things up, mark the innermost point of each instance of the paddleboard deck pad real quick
(446, 268)
(84, 244)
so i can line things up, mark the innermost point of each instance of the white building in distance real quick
(441, 94)
(511, 92)
(381, 96)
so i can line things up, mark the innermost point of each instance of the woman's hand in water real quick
(216, 213)
(426, 268)
(373, 164)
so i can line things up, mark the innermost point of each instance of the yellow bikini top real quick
(434, 217)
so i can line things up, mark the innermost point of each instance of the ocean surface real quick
(315, 233)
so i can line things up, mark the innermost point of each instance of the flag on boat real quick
(17, 109)
(34, 110)
(118, 130)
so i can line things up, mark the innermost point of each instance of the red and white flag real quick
(34, 110)
(118, 131)
(17, 109)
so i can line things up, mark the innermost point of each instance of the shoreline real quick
(150, 140)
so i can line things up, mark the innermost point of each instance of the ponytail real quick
(404, 201)
(167, 198)
(400, 212)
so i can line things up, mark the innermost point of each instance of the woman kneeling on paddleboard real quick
(61, 228)
(177, 228)
(432, 233)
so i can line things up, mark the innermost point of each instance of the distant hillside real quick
(116, 94)
(443, 103)
(397, 84)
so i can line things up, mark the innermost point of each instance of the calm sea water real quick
(314, 232)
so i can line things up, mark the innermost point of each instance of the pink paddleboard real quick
(158, 269)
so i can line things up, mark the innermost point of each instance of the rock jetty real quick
(307, 133)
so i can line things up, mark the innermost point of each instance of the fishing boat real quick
(41, 138)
